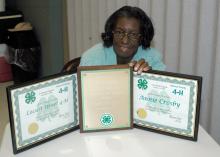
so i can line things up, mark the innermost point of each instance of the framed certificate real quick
(42, 110)
(167, 103)
(105, 98)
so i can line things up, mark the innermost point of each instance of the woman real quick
(126, 40)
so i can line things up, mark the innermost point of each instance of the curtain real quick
(187, 33)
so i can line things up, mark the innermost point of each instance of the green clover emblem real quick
(106, 119)
(30, 97)
(142, 84)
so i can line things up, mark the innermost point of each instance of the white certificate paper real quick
(165, 103)
(44, 109)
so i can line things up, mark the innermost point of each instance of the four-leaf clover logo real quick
(106, 119)
(30, 97)
(142, 84)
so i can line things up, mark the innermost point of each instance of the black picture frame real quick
(61, 129)
(159, 126)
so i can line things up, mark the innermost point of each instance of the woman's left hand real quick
(140, 66)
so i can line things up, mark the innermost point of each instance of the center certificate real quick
(105, 98)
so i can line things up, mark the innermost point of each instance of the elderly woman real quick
(126, 40)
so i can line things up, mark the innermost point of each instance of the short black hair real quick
(146, 26)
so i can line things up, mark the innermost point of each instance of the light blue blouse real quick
(100, 55)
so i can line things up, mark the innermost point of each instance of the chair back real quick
(72, 65)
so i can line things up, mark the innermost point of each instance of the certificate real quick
(42, 110)
(167, 103)
(105, 98)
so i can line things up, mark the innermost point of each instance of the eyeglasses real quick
(121, 34)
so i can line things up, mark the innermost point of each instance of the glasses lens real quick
(122, 34)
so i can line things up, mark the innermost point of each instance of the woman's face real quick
(126, 37)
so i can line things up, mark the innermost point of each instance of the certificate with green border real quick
(42, 110)
(167, 103)
(105, 98)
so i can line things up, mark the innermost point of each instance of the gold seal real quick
(142, 113)
(33, 128)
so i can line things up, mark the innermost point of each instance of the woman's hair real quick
(146, 26)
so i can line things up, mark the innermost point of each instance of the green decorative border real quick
(191, 110)
(83, 106)
(50, 133)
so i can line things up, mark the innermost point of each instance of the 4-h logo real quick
(106, 119)
(30, 97)
(142, 84)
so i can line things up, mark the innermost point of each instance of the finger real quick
(138, 64)
(132, 63)
(147, 68)
(142, 68)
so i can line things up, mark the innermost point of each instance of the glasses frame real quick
(121, 36)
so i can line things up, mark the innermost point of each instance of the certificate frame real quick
(91, 74)
(42, 106)
(157, 116)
